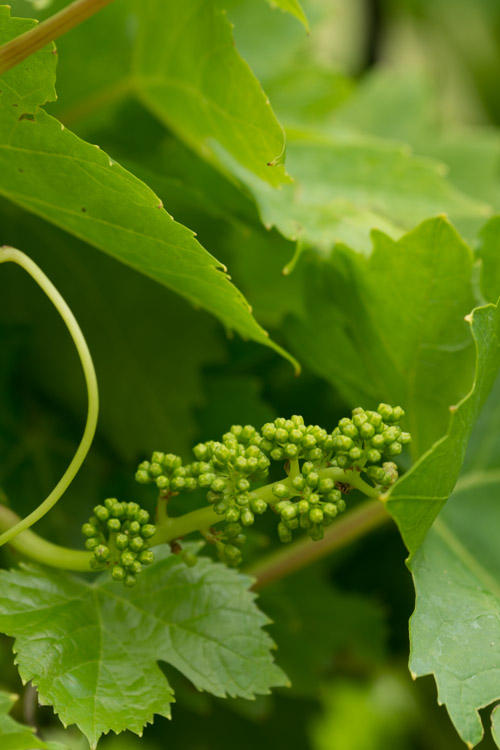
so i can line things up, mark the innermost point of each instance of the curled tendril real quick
(10, 254)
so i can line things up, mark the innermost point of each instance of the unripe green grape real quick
(330, 510)
(385, 411)
(88, 530)
(102, 553)
(284, 533)
(288, 512)
(177, 483)
(142, 477)
(142, 517)
(299, 482)
(136, 544)
(121, 541)
(295, 435)
(92, 543)
(157, 457)
(252, 464)
(110, 503)
(232, 554)
(258, 505)
(305, 522)
(189, 558)
(277, 454)
(241, 464)
(398, 414)
(127, 558)
(316, 515)
(162, 482)
(247, 517)
(148, 530)
(405, 438)
(130, 580)
(342, 461)
(291, 450)
(146, 557)
(394, 449)
(118, 510)
(355, 453)
(135, 567)
(114, 524)
(118, 573)
(303, 506)
(315, 454)
(243, 499)
(307, 467)
(243, 485)
(340, 505)
(334, 496)
(312, 479)
(239, 540)
(218, 485)
(373, 456)
(263, 463)
(291, 524)
(172, 462)
(359, 419)
(374, 418)
(378, 441)
(220, 508)
(155, 470)
(232, 529)
(281, 435)
(232, 515)
(132, 509)
(326, 485)
(201, 452)
(314, 498)
(367, 430)
(281, 490)
(134, 527)
(101, 512)
(236, 430)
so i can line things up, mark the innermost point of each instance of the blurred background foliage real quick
(423, 73)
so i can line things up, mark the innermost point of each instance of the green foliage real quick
(16, 736)
(39, 161)
(97, 662)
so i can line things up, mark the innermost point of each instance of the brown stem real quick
(367, 516)
(31, 41)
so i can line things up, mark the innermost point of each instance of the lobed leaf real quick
(50, 171)
(93, 650)
(17, 736)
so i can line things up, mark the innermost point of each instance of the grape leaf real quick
(16, 736)
(455, 629)
(50, 171)
(345, 185)
(293, 7)
(93, 650)
(209, 99)
(390, 327)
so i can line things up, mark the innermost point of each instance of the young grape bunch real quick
(320, 469)
(119, 537)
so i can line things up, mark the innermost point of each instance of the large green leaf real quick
(293, 7)
(93, 650)
(48, 170)
(419, 495)
(188, 72)
(17, 736)
(455, 630)
(391, 327)
(345, 185)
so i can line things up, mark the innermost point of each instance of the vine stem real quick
(358, 522)
(18, 49)
(10, 254)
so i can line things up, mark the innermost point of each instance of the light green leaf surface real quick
(93, 650)
(455, 629)
(345, 185)
(293, 7)
(391, 327)
(419, 495)
(188, 72)
(50, 171)
(15, 736)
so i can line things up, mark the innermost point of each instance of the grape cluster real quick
(310, 496)
(119, 535)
